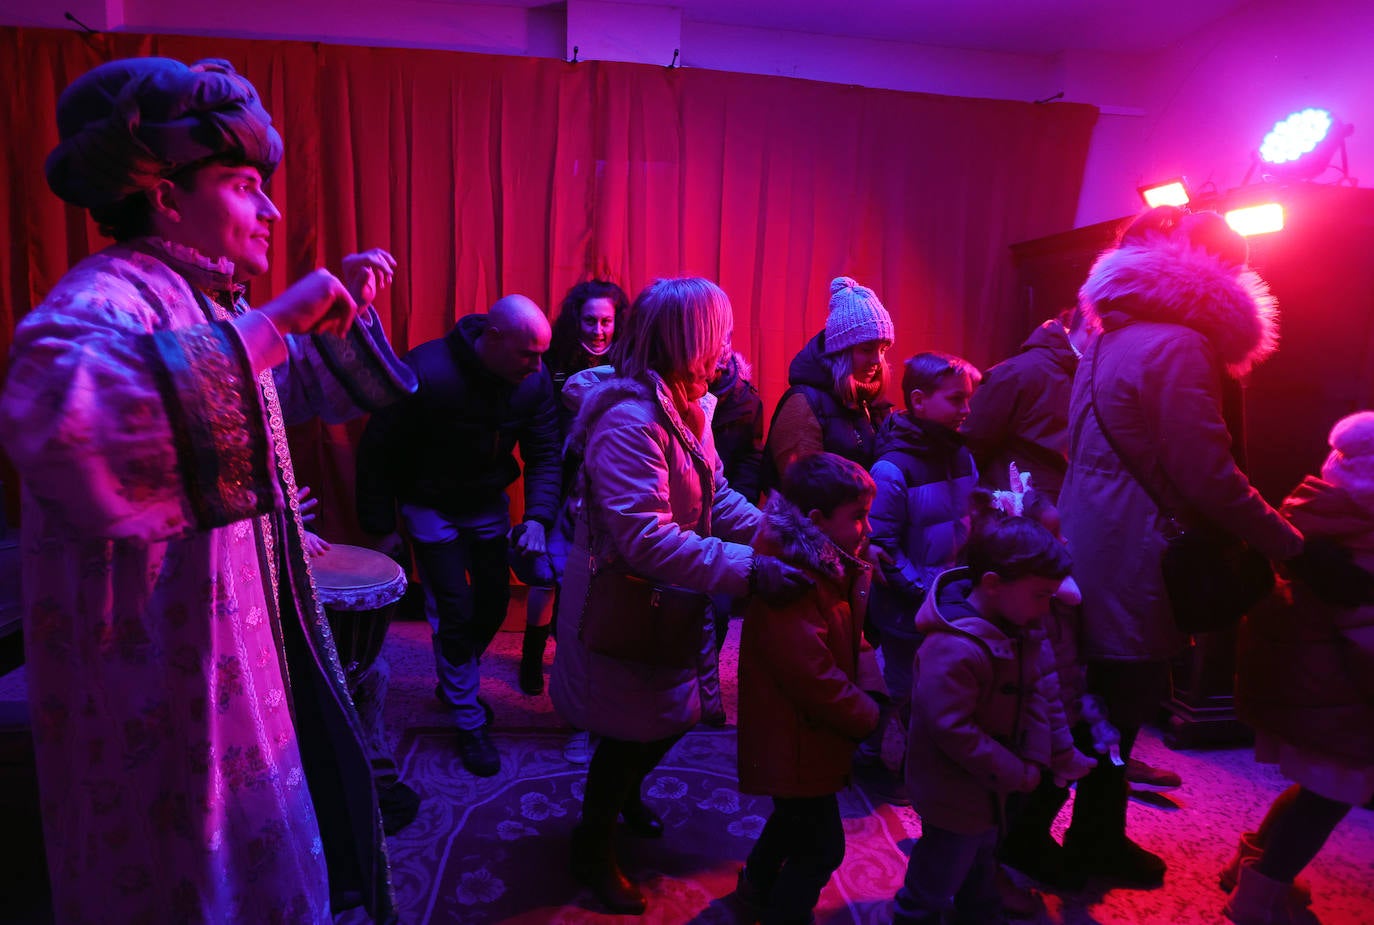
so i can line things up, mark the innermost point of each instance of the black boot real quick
(1028, 845)
(532, 660)
(1096, 842)
(593, 865)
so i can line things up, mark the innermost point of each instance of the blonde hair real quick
(677, 326)
(851, 393)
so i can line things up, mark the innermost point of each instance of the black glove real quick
(775, 581)
(1330, 571)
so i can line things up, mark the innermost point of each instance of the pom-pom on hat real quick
(126, 124)
(1351, 463)
(856, 316)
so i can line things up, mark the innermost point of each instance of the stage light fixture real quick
(1169, 193)
(1301, 146)
(1264, 218)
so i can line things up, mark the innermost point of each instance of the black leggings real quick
(616, 775)
(802, 844)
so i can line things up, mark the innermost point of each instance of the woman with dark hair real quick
(592, 316)
(651, 499)
(1180, 317)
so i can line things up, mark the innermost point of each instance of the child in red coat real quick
(804, 669)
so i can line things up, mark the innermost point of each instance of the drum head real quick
(354, 578)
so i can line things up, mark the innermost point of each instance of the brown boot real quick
(593, 865)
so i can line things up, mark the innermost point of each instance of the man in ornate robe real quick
(198, 754)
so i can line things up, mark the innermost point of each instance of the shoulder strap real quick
(703, 524)
(1107, 435)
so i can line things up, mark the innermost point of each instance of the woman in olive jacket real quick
(1179, 316)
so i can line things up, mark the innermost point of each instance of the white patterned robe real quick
(197, 752)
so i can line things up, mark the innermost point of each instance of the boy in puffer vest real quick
(805, 677)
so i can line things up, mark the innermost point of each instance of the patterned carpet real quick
(513, 828)
(496, 850)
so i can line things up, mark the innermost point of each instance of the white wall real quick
(1197, 109)
(1208, 102)
(601, 30)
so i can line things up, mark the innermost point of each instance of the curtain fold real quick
(487, 175)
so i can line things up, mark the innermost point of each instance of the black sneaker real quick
(478, 753)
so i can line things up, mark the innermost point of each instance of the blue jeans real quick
(801, 845)
(462, 562)
(950, 872)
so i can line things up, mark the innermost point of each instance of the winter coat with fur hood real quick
(1174, 320)
(648, 479)
(985, 712)
(1306, 668)
(804, 667)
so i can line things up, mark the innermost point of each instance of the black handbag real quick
(1212, 577)
(629, 617)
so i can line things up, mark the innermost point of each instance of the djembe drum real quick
(359, 589)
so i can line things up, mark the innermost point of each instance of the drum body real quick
(359, 589)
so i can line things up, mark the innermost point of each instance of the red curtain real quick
(488, 175)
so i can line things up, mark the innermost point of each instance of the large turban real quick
(128, 123)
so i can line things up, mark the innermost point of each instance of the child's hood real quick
(803, 544)
(1319, 508)
(946, 610)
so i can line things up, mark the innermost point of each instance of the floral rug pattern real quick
(496, 850)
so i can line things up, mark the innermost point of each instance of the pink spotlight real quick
(1252, 220)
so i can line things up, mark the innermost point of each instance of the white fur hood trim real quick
(1169, 281)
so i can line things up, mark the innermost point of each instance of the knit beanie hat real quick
(1351, 463)
(856, 316)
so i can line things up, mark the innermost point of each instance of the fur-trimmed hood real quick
(802, 544)
(592, 392)
(1169, 281)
